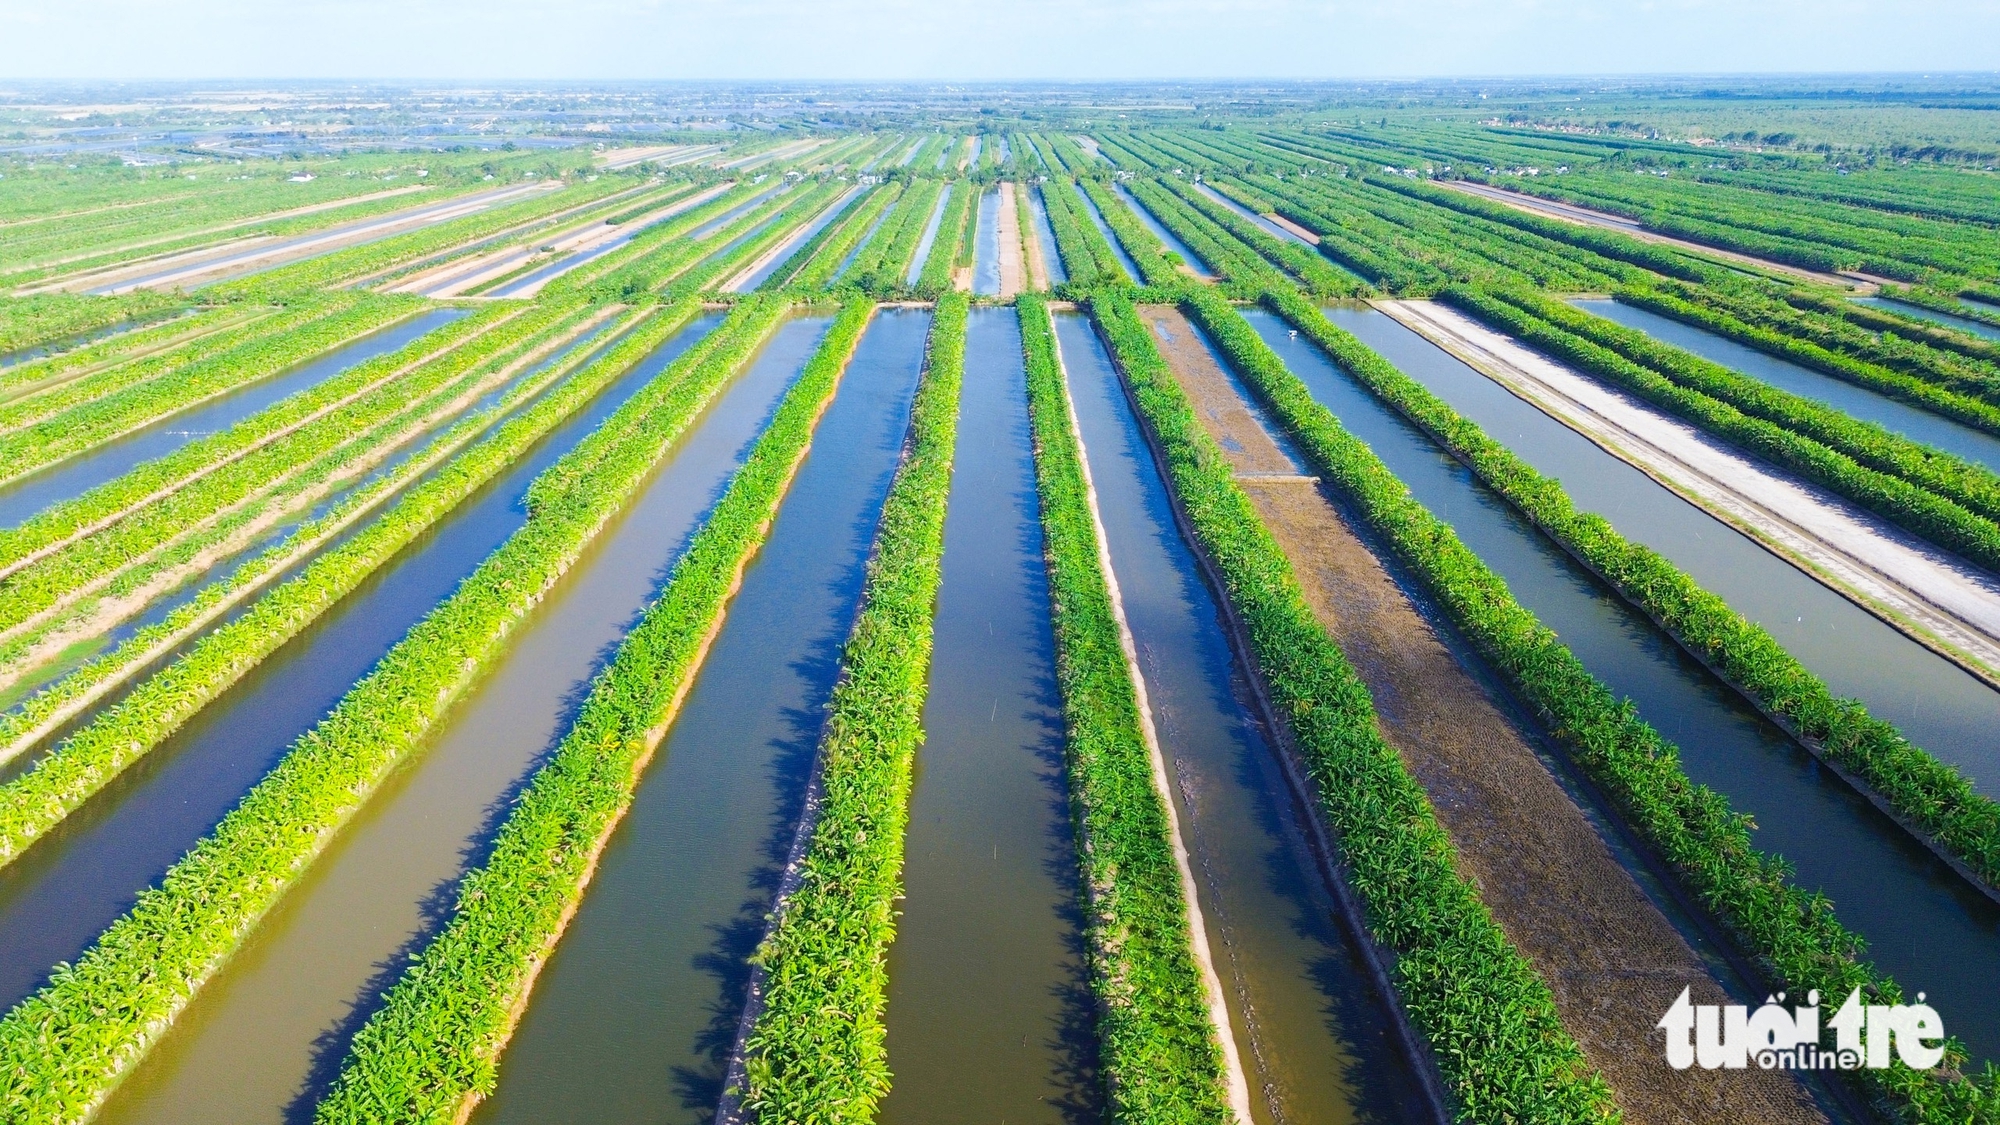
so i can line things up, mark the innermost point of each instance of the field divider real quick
(134, 587)
(810, 1044)
(1488, 1016)
(1792, 934)
(1161, 1043)
(36, 376)
(84, 427)
(32, 804)
(64, 1049)
(432, 1050)
(156, 547)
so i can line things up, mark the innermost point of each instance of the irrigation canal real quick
(1313, 1033)
(644, 993)
(1125, 261)
(1925, 926)
(990, 1013)
(58, 897)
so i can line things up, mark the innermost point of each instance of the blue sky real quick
(1001, 39)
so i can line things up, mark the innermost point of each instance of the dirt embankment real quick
(1008, 226)
(1613, 960)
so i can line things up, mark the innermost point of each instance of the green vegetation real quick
(1791, 932)
(1156, 1045)
(816, 1052)
(65, 1047)
(1490, 1018)
(434, 1044)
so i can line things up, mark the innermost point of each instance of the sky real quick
(991, 40)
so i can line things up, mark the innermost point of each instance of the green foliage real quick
(433, 1046)
(1156, 1046)
(1141, 245)
(1792, 933)
(816, 1051)
(1489, 1017)
(1893, 498)
(53, 318)
(64, 1048)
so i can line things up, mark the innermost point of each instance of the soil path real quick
(1008, 227)
(1037, 266)
(1613, 960)
(1942, 601)
(1861, 284)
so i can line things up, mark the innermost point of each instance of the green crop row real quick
(52, 318)
(665, 261)
(161, 704)
(65, 521)
(109, 376)
(1969, 485)
(1490, 1018)
(649, 239)
(1953, 385)
(435, 1043)
(1141, 245)
(64, 1048)
(1311, 270)
(209, 518)
(961, 210)
(1086, 256)
(818, 271)
(277, 345)
(1243, 268)
(1366, 245)
(1888, 318)
(1792, 933)
(1157, 1046)
(1895, 499)
(816, 1050)
(885, 261)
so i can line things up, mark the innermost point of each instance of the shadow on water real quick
(76, 475)
(86, 872)
(990, 1011)
(1316, 1039)
(636, 1012)
(342, 936)
(1924, 925)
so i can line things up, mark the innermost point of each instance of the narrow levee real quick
(1314, 1035)
(270, 1031)
(1924, 924)
(79, 474)
(1125, 261)
(1611, 956)
(634, 1015)
(990, 1010)
(1912, 422)
(86, 872)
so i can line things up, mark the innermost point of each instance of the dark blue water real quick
(80, 877)
(73, 477)
(986, 247)
(1926, 927)
(1963, 324)
(635, 1014)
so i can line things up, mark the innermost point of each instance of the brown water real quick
(990, 1011)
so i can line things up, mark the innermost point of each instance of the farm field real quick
(496, 631)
